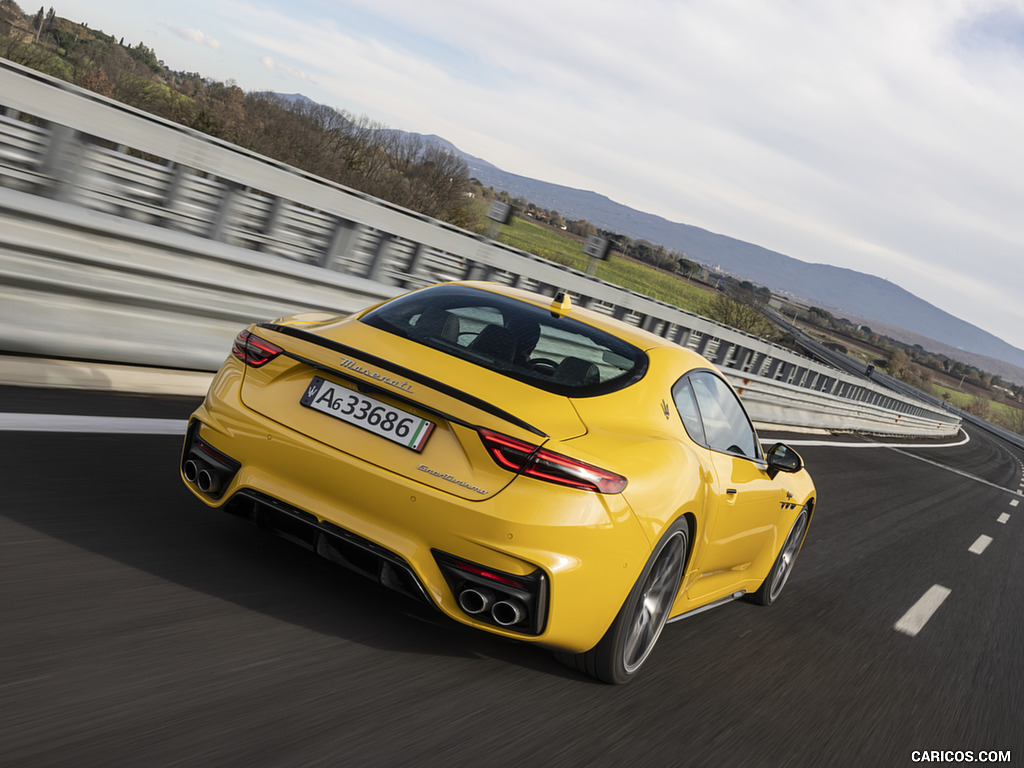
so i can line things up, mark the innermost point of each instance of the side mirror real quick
(782, 458)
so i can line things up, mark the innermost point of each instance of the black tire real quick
(629, 640)
(771, 588)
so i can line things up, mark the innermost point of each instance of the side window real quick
(726, 425)
(682, 395)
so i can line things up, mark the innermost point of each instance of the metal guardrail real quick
(210, 235)
(772, 402)
(844, 362)
(84, 285)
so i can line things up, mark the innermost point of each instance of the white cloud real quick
(276, 66)
(881, 135)
(193, 35)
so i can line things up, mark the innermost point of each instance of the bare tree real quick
(741, 316)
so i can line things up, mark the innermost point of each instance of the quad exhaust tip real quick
(504, 612)
(475, 601)
(207, 479)
(508, 612)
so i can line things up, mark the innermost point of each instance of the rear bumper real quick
(585, 549)
(329, 541)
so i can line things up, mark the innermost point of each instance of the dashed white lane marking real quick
(1003, 518)
(1015, 502)
(50, 422)
(979, 546)
(913, 621)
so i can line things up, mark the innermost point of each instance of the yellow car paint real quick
(591, 547)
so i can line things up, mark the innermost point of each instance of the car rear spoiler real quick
(398, 370)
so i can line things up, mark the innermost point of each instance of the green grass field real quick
(560, 249)
(999, 412)
(552, 246)
(959, 399)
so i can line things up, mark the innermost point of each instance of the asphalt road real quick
(138, 628)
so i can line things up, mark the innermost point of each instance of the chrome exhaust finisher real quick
(516, 602)
(205, 468)
(475, 601)
(208, 481)
(508, 612)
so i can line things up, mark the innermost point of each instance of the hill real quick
(835, 288)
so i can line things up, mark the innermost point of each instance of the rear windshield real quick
(528, 343)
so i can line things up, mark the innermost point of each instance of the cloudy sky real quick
(885, 136)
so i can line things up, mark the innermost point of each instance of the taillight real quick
(254, 351)
(484, 573)
(533, 461)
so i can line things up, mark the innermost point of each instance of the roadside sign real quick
(500, 212)
(596, 247)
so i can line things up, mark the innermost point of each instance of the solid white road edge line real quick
(913, 621)
(120, 425)
(840, 444)
(898, 448)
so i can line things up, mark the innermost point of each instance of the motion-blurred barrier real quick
(88, 286)
(127, 238)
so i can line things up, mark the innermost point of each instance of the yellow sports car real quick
(530, 468)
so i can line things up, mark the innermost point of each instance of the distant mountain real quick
(845, 291)
(834, 288)
(292, 98)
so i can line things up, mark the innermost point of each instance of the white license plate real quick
(372, 415)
